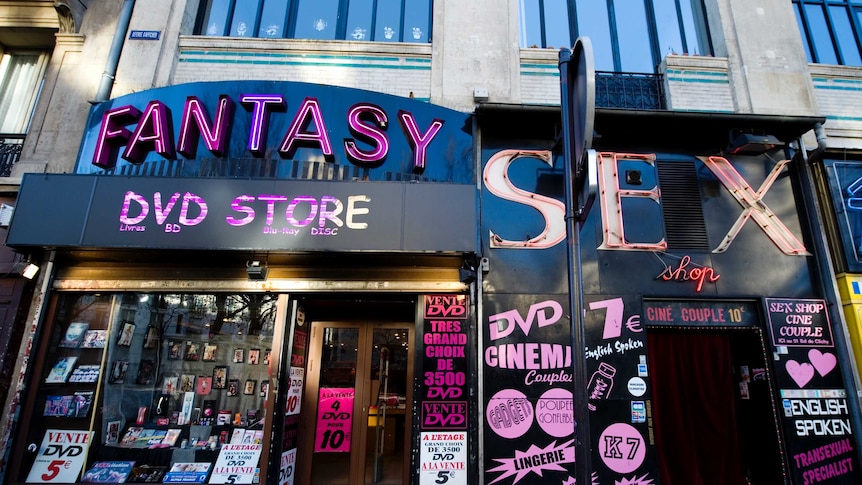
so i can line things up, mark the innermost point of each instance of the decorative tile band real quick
(317, 60)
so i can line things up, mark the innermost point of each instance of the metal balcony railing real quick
(628, 90)
(10, 152)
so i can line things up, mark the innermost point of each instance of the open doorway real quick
(713, 407)
(356, 420)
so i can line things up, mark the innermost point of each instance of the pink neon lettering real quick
(311, 214)
(753, 206)
(261, 105)
(418, 140)
(331, 215)
(298, 130)
(612, 195)
(162, 215)
(238, 206)
(189, 199)
(374, 135)
(154, 133)
(270, 205)
(124, 213)
(113, 134)
(553, 211)
(196, 122)
(681, 273)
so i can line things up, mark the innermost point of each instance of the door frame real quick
(359, 428)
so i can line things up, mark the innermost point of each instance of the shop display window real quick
(151, 388)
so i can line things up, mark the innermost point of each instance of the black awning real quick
(659, 130)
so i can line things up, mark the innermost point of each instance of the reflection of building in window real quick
(830, 34)
(626, 36)
(320, 19)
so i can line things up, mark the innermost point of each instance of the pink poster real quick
(334, 419)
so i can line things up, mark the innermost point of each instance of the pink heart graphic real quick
(801, 373)
(823, 362)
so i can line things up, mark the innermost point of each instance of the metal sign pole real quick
(577, 95)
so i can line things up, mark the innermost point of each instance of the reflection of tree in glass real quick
(250, 314)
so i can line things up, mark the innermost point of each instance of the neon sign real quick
(611, 197)
(299, 212)
(153, 132)
(698, 274)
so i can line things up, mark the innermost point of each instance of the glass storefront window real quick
(165, 382)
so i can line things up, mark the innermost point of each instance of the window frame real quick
(698, 10)
(341, 28)
(854, 14)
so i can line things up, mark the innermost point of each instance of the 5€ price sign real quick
(60, 457)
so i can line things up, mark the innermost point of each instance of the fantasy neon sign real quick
(153, 131)
(611, 197)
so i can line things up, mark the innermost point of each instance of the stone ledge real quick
(190, 42)
(694, 62)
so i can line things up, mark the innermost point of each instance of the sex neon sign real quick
(153, 132)
(611, 197)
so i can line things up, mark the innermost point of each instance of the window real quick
(20, 82)
(627, 35)
(157, 380)
(831, 30)
(359, 20)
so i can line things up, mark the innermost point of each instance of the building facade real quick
(330, 242)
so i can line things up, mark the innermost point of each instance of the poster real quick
(286, 470)
(60, 457)
(237, 463)
(799, 323)
(294, 392)
(334, 419)
(445, 364)
(443, 458)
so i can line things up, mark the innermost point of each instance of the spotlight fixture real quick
(26, 269)
(256, 270)
(29, 271)
(751, 142)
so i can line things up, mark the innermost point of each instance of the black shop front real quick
(253, 288)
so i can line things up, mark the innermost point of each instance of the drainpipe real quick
(826, 272)
(817, 153)
(107, 82)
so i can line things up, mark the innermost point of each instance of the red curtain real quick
(694, 408)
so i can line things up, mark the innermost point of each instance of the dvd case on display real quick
(61, 370)
(74, 334)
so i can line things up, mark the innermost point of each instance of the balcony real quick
(628, 90)
(10, 152)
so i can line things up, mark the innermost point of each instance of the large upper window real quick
(627, 35)
(362, 20)
(831, 30)
(21, 76)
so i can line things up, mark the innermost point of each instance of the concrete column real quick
(475, 45)
(767, 65)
